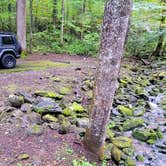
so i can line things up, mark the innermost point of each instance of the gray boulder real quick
(15, 101)
(47, 105)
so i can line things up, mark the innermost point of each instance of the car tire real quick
(8, 61)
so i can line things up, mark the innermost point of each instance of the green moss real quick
(132, 123)
(116, 153)
(49, 94)
(139, 90)
(35, 65)
(90, 94)
(56, 79)
(130, 162)
(129, 151)
(125, 111)
(65, 90)
(89, 84)
(64, 126)
(67, 112)
(21, 99)
(151, 141)
(42, 110)
(122, 81)
(140, 158)
(50, 118)
(23, 156)
(148, 135)
(122, 142)
(77, 108)
(35, 130)
(141, 135)
(10, 87)
(110, 134)
(160, 134)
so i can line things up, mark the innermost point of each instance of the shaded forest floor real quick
(139, 83)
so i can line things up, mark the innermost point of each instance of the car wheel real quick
(8, 61)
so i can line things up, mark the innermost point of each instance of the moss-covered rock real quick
(82, 122)
(90, 94)
(130, 162)
(47, 105)
(160, 134)
(108, 149)
(89, 84)
(123, 82)
(116, 153)
(132, 123)
(49, 94)
(77, 108)
(23, 156)
(128, 151)
(64, 126)
(67, 112)
(16, 101)
(140, 158)
(110, 134)
(65, 90)
(35, 130)
(122, 142)
(49, 118)
(148, 135)
(139, 111)
(125, 111)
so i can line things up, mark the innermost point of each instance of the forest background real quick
(73, 26)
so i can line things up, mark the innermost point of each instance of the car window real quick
(7, 40)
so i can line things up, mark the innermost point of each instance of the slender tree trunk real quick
(1, 19)
(21, 23)
(31, 24)
(10, 20)
(62, 20)
(158, 49)
(83, 12)
(54, 13)
(114, 30)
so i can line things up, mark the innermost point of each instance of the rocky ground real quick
(44, 105)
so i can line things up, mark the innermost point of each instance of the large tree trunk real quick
(160, 43)
(21, 23)
(114, 30)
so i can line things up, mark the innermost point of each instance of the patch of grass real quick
(10, 88)
(35, 66)
(82, 163)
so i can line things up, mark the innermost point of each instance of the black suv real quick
(10, 49)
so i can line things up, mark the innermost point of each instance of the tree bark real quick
(158, 50)
(114, 32)
(21, 23)
(10, 20)
(54, 13)
(31, 25)
(62, 20)
(83, 12)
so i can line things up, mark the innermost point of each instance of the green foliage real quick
(82, 24)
